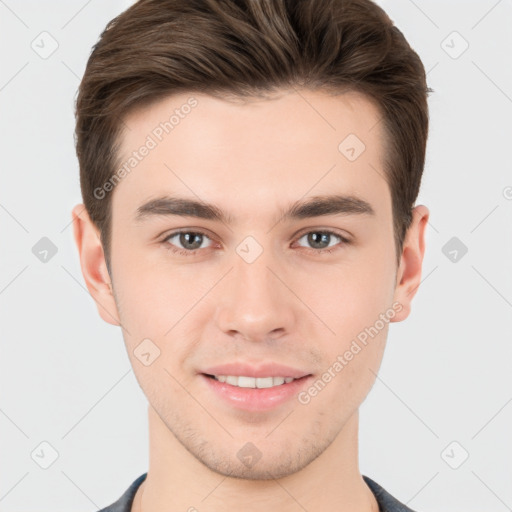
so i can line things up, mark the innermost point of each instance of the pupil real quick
(312, 239)
(184, 240)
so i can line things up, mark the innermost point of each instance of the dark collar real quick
(387, 503)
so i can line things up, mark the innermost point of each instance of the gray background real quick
(444, 390)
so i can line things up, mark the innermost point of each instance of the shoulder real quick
(124, 503)
(387, 503)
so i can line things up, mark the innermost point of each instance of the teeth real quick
(252, 382)
(264, 382)
(232, 380)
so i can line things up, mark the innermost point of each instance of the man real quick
(249, 170)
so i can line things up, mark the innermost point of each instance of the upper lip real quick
(260, 370)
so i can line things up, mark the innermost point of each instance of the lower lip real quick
(255, 399)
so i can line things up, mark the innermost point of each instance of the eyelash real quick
(194, 252)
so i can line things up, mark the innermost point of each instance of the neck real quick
(176, 480)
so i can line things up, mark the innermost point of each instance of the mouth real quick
(244, 381)
(253, 394)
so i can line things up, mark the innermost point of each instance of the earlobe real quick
(411, 261)
(93, 265)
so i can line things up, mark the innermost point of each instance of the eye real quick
(320, 241)
(190, 241)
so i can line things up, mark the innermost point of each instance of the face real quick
(252, 276)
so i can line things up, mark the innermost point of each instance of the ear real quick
(408, 276)
(94, 267)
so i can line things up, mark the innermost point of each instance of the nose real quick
(254, 303)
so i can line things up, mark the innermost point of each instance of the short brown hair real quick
(247, 48)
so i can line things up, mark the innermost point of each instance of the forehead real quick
(253, 151)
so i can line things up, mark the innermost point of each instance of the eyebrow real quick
(312, 207)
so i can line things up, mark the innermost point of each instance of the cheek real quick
(351, 297)
(156, 300)
(348, 295)
(144, 297)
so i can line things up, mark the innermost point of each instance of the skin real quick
(291, 305)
